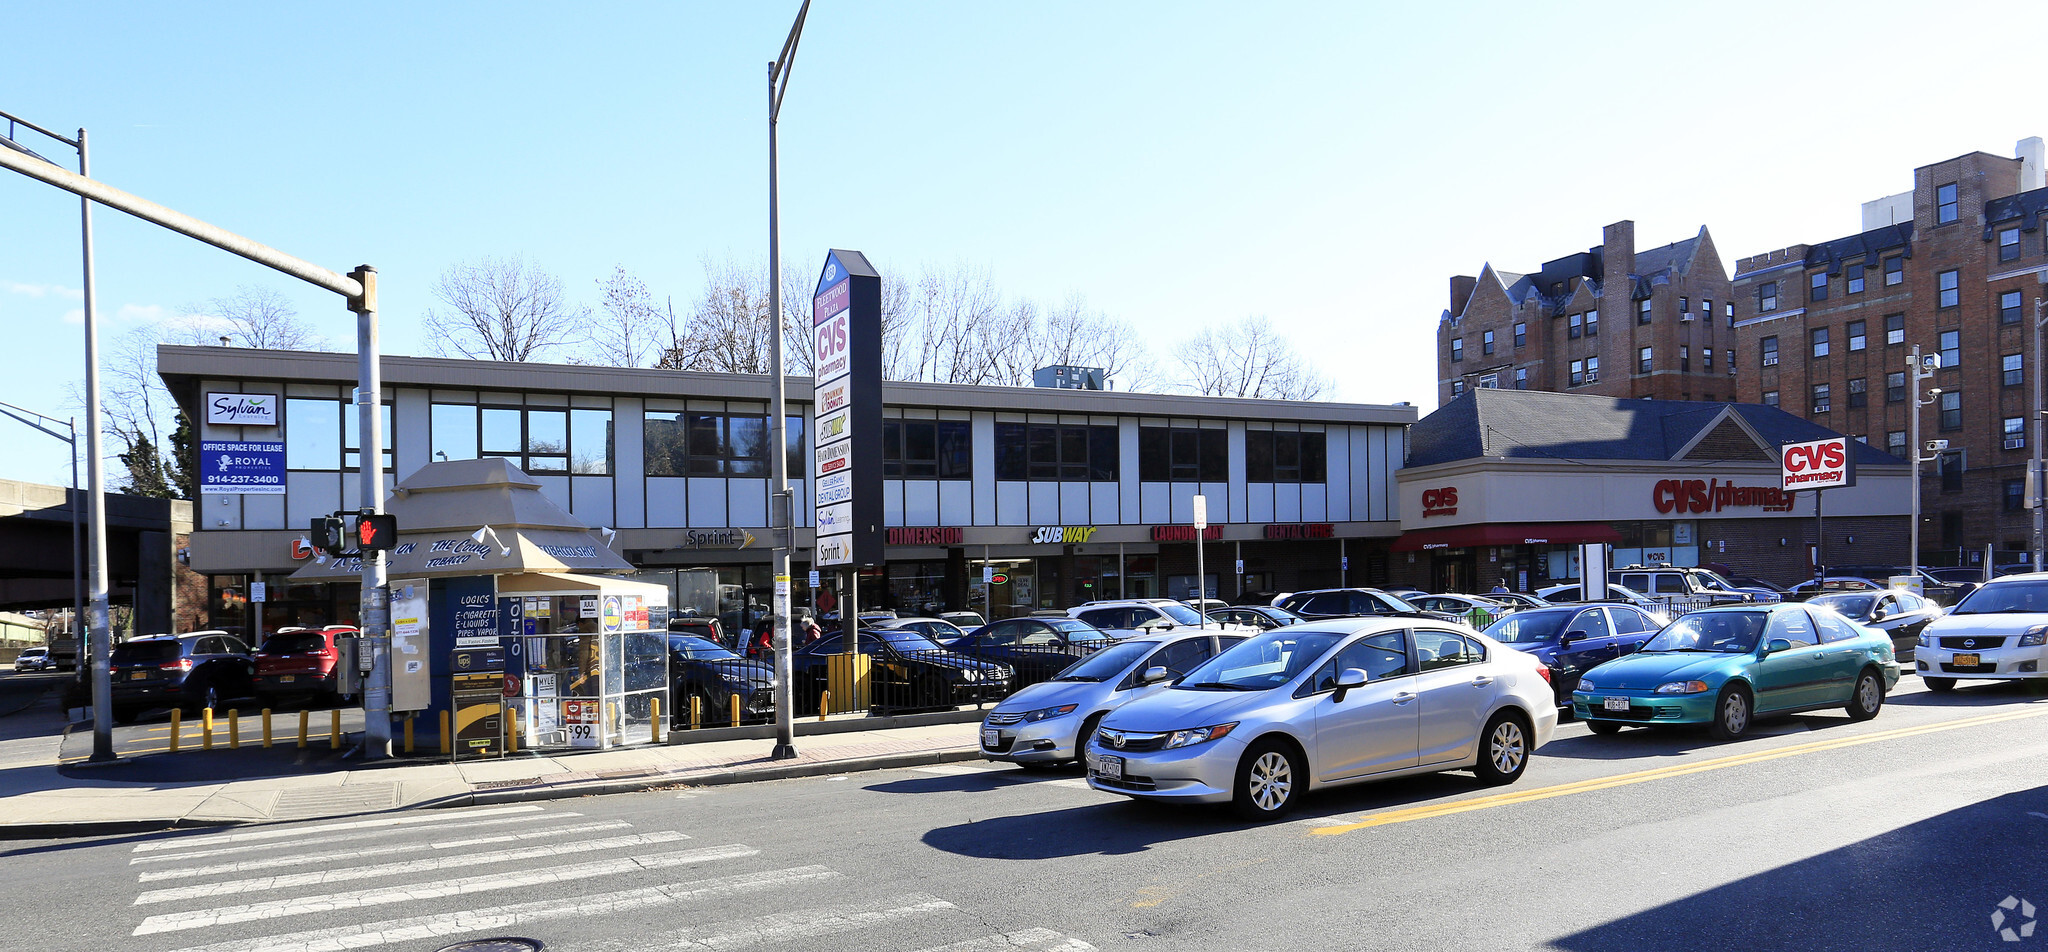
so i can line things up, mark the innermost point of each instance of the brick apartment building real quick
(1659, 328)
(1956, 267)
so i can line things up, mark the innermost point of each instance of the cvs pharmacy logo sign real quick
(1820, 464)
(1440, 502)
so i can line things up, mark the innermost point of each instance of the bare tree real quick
(630, 330)
(727, 332)
(1076, 335)
(501, 309)
(1248, 359)
(259, 317)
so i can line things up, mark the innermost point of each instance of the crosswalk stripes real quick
(217, 891)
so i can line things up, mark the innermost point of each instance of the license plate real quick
(1109, 768)
(1617, 704)
(286, 678)
(1966, 659)
(137, 675)
(991, 738)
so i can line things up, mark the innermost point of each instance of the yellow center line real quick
(1660, 773)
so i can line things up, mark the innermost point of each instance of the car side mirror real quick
(1569, 637)
(1155, 674)
(1776, 645)
(1346, 680)
(1878, 615)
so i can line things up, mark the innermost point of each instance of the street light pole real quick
(2036, 414)
(1915, 373)
(375, 610)
(782, 506)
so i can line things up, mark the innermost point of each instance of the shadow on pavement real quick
(1633, 743)
(1113, 828)
(1977, 694)
(1934, 884)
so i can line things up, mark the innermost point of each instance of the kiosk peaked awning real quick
(1513, 533)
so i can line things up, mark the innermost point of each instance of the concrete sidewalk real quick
(41, 797)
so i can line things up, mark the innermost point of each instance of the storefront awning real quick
(1510, 533)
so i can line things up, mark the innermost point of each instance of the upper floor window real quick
(1820, 342)
(1820, 398)
(1685, 358)
(1945, 205)
(1578, 372)
(1486, 344)
(324, 434)
(1895, 386)
(1817, 287)
(1951, 410)
(1183, 454)
(2012, 370)
(1949, 289)
(1039, 451)
(1521, 333)
(1894, 270)
(1521, 378)
(2009, 307)
(1895, 328)
(1859, 336)
(709, 443)
(1770, 398)
(1285, 456)
(1592, 370)
(1457, 388)
(1769, 348)
(1489, 381)
(1575, 326)
(1707, 358)
(1644, 360)
(1457, 349)
(1593, 323)
(928, 449)
(1859, 395)
(2009, 244)
(1643, 311)
(1767, 297)
(1951, 349)
(1854, 277)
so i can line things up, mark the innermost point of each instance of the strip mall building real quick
(1502, 485)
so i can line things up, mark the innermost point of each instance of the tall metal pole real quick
(77, 503)
(376, 596)
(102, 633)
(2034, 410)
(782, 507)
(1913, 453)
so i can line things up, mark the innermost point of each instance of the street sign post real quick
(1201, 570)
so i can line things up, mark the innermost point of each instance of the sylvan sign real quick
(242, 409)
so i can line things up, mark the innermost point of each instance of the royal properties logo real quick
(2013, 918)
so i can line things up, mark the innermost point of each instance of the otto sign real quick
(1820, 464)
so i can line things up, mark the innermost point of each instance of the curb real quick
(57, 831)
(711, 779)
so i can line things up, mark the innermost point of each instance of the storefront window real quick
(916, 588)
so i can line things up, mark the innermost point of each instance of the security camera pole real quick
(1915, 373)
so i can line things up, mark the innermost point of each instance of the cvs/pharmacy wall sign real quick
(1821, 464)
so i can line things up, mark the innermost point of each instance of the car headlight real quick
(1200, 735)
(1045, 713)
(1585, 687)
(2035, 636)
(969, 674)
(1926, 640)
(1682, 687)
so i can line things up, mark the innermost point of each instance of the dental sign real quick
(846, 411)
(242, 409)
(1821, 464)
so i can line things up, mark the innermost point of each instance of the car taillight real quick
(1544, 670)
(182, 664)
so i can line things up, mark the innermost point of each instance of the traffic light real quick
(327, 535)
(376, 532)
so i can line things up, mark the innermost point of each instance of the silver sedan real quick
(1324, 704)
(1048, 723)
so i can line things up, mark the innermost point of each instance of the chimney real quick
(1461, 292)
(1617, 252)
(2030, 153)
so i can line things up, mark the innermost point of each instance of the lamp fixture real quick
(478, 537)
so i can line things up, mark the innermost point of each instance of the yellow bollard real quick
(302, 729)
(266, 728)
(334, 729)
(408, 730)
(824, 704)
(175, 714)
(735, 710)
(611, 723)
(511, 730)
(446, 739)
(234, 729)
(696, 712)
(654, 720)
(206, 726)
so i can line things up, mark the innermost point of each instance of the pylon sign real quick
(846, 411)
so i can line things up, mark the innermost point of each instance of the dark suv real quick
(194, 670)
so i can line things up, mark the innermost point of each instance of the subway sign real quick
(1820, 464)
(1051, 535)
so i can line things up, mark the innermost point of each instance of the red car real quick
(300, 661)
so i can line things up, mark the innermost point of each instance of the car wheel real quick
(1732, 713)
(1503, 750)
(1087, 734)
(1939, 685)
(1869, 696)
(1269, 781)
(1603, 727)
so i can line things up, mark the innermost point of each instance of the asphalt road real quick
(1906, 832)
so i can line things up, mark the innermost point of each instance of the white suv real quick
(1997, 633)
(1128, 617)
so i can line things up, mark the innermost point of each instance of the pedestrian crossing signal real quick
(376, 532)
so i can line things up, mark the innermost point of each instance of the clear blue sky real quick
(1327, 165)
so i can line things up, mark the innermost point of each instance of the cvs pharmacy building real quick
(1501, 485)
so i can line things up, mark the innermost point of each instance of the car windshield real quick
(295, 643)
(699, 649)
(1074, 629)
(1261, 662)
(1714, 579)
(1534, 627)
(903, 639)
(1854, 606)
(1181, 614)
(1107, 663)
(143, 652)
(1997, 598)
(1729, 632)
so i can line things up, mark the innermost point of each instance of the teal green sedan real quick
(1726, 667)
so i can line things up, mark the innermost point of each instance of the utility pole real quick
(1916, 371)
(782, 508)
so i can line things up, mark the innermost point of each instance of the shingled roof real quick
(1540, 424)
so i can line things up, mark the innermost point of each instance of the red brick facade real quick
(1583, 324)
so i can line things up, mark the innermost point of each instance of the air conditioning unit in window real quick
(1592, 376)
(2015, 443)
(1770, 360)
(1820, 408)
(1685, 317)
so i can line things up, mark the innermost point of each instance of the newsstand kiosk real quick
(505, 633)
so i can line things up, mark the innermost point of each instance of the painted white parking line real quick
(441, 925)
(1028, 940)
(790, 926)
(344, 856)
(323, 877)
(408, 819)
(354, 837)
(384, 895)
